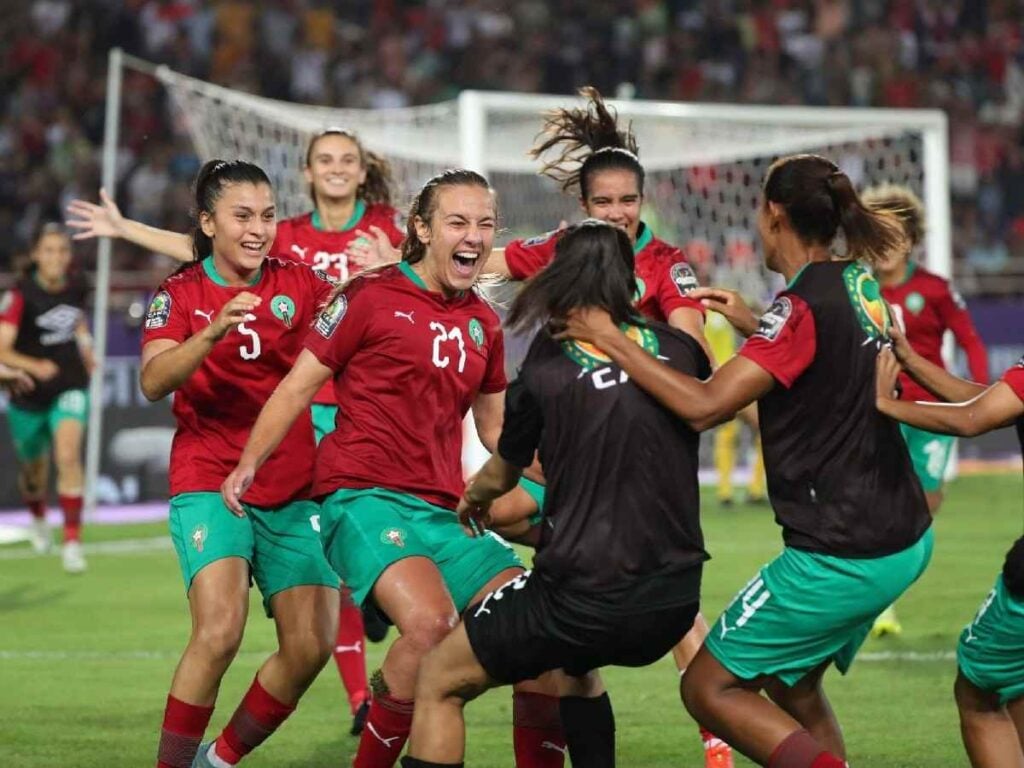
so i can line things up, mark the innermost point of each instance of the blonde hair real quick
(901, 202)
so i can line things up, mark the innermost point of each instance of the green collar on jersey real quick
(796, 277)
(643, 238)
(911, 269)
(357, 213)
(408, 271)
(211, 272)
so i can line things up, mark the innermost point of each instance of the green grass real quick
(85, 661)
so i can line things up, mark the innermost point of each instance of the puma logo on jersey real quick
(207, 315)
(556, 747)
(356, 647)
(406, 315)
(300, 252)
(386, 742)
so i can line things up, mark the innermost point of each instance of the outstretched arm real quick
(702, 404)
(292, 396)
(105, 220)
(932, 377)
(997, 406)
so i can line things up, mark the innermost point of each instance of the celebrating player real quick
(617, 576)
(44, 334)
(410, 349)
(221, 333)
(926, 307)
(352, 216)
(855, 522)
(989, 686)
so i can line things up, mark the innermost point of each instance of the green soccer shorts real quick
(33, 430)
(281, 545)
(805, 608)
(536, 492)
(991, 649)
(323, 420)
(366, 530)
(930, 453)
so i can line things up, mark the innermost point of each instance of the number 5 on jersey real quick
(446, 336)
(250, 349)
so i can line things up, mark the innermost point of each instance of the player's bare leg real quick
(806, 701)
(934, 499)
(305, 618)
(717, 753)
(67, 456)
(450, 676)
(412, 593)
(33, 479)
(1016, 710)
(990, 733)
(737, 712)
(219, 602)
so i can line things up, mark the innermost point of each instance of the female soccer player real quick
(855, 522)
(610, 184)
(43, 332)
(926, 307)
(351, 192)
(989, 686)
(617, 576)
(221, 333)
(410, 349)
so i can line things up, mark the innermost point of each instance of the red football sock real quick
(181, 733)
(387, 730)
(350, 651)
(256, 718)
(38, 508)
(801, 750)
(72, 506)
(537, 737)
(828, 760)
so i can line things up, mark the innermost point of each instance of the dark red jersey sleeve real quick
(785, 341)
(12, 304)
(340, 327)
(956, 317)
(675, 283)
(1015, 378)
(167, 316)
(525, 258)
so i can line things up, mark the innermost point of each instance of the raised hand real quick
(91, 220)
(371, 249)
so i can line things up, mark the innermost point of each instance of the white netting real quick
(703, 174)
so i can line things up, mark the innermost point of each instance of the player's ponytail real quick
(425, 203)
(590, 141)
(593, 267)
(210, 183)
(376, 189)
(819, 199)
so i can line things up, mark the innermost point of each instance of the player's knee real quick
(428, 628)
(67, 461)
(306, 652)
(32, 476)
(219, 639)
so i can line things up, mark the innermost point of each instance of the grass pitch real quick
(85, 662)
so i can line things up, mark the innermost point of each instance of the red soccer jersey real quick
(663, 277)
(1014, 377)
(408, 365)
(785, 342)
(218, 404)
(301, 239)
(926, 307)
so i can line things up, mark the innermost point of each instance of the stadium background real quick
(966, 58)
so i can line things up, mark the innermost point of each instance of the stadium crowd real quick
(963, 56)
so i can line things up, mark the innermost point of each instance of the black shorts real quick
(527, 627)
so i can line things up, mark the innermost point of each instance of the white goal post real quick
(704, 164)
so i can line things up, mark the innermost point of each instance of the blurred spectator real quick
(963, 56)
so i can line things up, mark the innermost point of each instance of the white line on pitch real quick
(120, 547)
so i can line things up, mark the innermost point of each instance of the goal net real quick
(704, 163)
